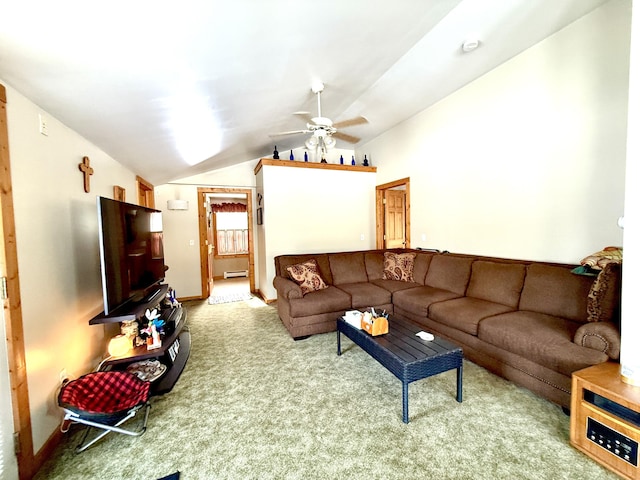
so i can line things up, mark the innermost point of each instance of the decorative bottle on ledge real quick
(306, 157)
(276, 156)
(291, 155)
(341, 160)
(353, 160)
(366, 162)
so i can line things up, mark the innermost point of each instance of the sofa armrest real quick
(287, 288)
(601, 336)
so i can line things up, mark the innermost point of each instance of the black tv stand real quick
(151, 296)
(174, 353)
(176, 345)
(132, 310)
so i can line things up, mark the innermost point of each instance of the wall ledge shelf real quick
(302, 164)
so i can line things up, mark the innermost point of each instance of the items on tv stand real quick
(174, 350)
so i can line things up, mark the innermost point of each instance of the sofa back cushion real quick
(374, 262)
(497, 282)
(284, 261)
(449, 272)
(421, 266)
(348, 267)
(555, 291)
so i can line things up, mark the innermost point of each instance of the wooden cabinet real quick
(605, 418)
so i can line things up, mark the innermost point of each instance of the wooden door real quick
(394, 221)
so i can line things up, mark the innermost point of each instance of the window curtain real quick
(228, 207)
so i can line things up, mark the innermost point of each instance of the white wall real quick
(58, 257)
(527, 161)
(309, 210)
(630, 354)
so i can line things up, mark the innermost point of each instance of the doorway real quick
(393, 218)
(226, 270)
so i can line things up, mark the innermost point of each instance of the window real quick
(231, 233)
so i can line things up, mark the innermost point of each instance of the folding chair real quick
(104, 400)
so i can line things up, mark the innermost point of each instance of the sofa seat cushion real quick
(465, 313)
(394, 285)
(417, 300)
(366, 294)
(543, 339)
(331, 299)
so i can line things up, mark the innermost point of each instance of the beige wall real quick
(529, 160)
(58, 257)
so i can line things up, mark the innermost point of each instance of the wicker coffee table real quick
(406, 356)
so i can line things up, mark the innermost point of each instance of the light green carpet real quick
(254, 404)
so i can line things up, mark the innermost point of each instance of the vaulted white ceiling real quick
(162, 84)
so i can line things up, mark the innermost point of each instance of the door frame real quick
(380, 210)
(204, 248)
(11, 304)
(146, 196)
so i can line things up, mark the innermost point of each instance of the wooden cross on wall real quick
(86, 169)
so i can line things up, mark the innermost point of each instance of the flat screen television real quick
(131, 252)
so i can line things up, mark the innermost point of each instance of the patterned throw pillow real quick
(398, 266)
(307, 275)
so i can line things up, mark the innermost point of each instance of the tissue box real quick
(375, 325)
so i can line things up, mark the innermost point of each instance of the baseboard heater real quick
(236, 274)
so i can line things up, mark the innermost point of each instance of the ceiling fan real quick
(324, 131)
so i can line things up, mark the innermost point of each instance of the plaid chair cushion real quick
(104, 392)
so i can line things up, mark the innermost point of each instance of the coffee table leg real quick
(338, 334)
(459, 395)
(405, 402)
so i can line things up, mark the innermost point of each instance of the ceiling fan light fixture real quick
(311, 143)
(329, 141)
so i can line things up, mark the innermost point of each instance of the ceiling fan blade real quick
(346, 138)
(291, 132)
(304, 115)
(350, 122)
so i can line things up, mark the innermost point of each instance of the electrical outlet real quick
(362, 236)
(44, 128)
(63, 375)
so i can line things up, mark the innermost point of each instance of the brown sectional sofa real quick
(533, 323)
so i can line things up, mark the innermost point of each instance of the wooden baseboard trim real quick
(47, 450)
(186, 299)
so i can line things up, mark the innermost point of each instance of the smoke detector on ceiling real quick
(470, 45)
